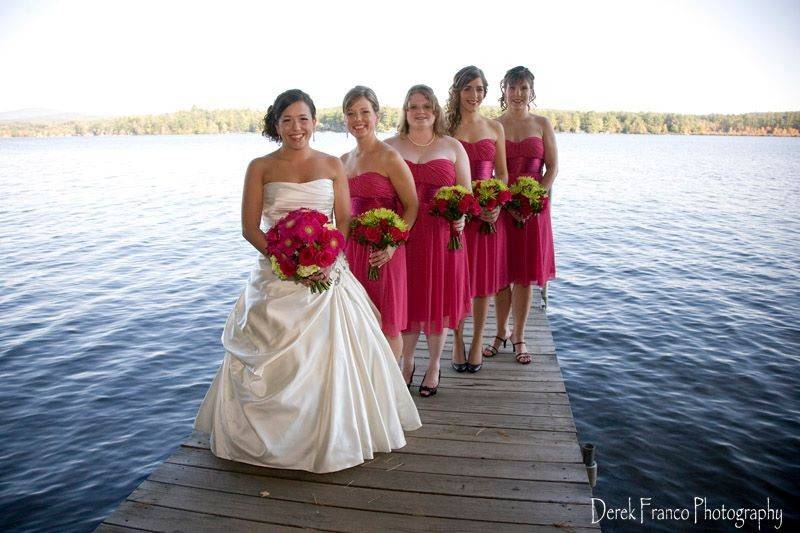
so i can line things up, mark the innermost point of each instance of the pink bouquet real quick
(303, 243)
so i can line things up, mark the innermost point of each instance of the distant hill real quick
(39, 115)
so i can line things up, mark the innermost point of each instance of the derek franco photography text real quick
(701, 512)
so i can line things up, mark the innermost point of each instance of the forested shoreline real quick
(203, 121)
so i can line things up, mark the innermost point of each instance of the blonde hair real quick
(439, 128)
(460, 80)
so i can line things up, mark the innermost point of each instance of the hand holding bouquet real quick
(452, 203)
(379, 229)
(302, 245)
(528, 198)
(491, 194)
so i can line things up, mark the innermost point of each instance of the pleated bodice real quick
(371, 190)
(281, 197)
(481, 158)
(429, 177)
(525, 158)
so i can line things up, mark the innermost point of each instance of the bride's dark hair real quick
(274, 112)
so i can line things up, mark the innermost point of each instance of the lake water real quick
(675, 314)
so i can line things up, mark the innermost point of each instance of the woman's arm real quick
(341, 196)
(550, 153)
(463, 173)
(463, 176)
(500, 166)
(252, 204)
(403, 183)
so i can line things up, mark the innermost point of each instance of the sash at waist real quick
(525, 166)
(482, 170)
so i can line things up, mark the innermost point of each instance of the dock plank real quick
(497, 450)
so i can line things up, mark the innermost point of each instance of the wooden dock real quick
(498, 451)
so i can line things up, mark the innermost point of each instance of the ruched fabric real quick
(486, 253)
(531, 253)
(438, 278)
(389, 292)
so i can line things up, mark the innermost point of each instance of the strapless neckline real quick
(477, 142)
(428, 162)
(532, 137)
(329, 180)
(368, 173)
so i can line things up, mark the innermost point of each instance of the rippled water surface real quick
(675, 313)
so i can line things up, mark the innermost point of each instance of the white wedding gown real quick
(308, 380)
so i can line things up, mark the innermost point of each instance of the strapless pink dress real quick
(438, 278)
(531, 254)
(486, 254)
(389, 293)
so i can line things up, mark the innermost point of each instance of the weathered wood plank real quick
(492, 468)
(489, 435)
(568, 452)
(108, 528)
(151, 517)
(389, 501)
(494, 385)
(479, 420)
(391, 477)
(306, 515)
(555, 453)
(496, 407)
(501, 468)
(500, 377)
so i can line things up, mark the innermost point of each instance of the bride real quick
(308, 380)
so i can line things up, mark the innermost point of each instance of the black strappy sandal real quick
(492, 351)
(520, 357)
(429, 391)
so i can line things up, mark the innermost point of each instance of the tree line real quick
(196, 121)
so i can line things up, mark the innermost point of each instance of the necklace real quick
(408, 136)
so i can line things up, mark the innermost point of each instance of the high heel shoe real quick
(429, 391)
(461, 367)
(491, 351)
(523, 358)
(413, 369)
(473, 368)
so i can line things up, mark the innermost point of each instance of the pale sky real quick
(119, 56)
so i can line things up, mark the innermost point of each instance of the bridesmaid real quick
(530, 145)
(438, 292)
(378, 177)
(484, 141)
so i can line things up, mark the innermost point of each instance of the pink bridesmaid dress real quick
(531, 254)
(388, 292)
(486, 253)
(438, 278)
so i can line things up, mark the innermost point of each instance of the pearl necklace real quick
(408, 136)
